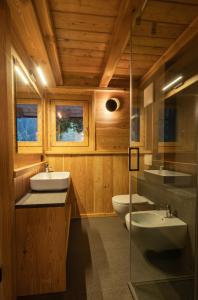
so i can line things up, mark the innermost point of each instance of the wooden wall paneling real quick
(120, 175)
(22, 160)
(95, 179)
(112, 128)
(7, 286)
(41, 239)
(22, 182)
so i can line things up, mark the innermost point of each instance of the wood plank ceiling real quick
(83, 30)
(80, 36)
(161, 23)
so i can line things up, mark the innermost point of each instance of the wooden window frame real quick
(31, 144)
(86, 123)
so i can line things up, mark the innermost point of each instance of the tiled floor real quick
(98, 261)
(98, 266)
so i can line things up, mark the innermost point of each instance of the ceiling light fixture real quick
(112, 104)
(21, 74)
(41, 75)
(170, 84)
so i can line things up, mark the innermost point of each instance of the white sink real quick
(154, 231)
(168, 177)
(52, 181)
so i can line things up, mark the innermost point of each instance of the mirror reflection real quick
(28, 113)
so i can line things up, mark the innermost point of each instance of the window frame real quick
(37, 143)
(85, 105)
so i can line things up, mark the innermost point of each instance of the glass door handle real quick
(138, 158)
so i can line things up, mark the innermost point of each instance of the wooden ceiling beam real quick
(182, 40)
(44, 16)
(26, 25)
(120, 37)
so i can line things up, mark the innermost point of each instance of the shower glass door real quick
(163, 163)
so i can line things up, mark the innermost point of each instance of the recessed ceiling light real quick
(41, 75)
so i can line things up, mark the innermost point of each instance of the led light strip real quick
(166, 87)
(41, 75)
(21, 75)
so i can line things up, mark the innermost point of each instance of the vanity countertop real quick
(42, 200)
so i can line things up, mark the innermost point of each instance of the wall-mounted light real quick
(41, 75)
(21, 74)
(172, 83)
(112, 104)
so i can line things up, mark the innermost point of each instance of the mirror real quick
(28, 112)
(177, 120)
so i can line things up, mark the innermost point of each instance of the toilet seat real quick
(125, 200)
(121, 199)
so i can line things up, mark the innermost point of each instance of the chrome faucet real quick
(168, 211)
(46, 167)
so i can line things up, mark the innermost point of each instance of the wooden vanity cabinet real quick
(41, 248)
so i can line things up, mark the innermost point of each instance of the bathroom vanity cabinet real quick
(42, 230)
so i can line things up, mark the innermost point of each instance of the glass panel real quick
(163, 193)
(135, 124)
(27, 127)
(168, 123)
(69, 123)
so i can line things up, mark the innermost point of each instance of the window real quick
(28, 123)
(70, 123)
(27, 127)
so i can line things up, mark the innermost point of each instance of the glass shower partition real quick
(163, 173)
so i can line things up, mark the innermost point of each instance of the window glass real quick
(69, 123)
(27, 125)
(168, 125)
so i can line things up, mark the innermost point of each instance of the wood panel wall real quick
(7, 289)
(22, 160)
(95, 179)
(97, 176)
(22, 182)
(112, 128)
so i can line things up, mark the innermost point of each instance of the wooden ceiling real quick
(161, 23)
(86, 42)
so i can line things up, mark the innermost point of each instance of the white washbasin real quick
(168, 176)
(52, 181)
(154, 231)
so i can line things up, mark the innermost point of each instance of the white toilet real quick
(121, 204)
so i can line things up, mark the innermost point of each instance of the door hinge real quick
(0, 274)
